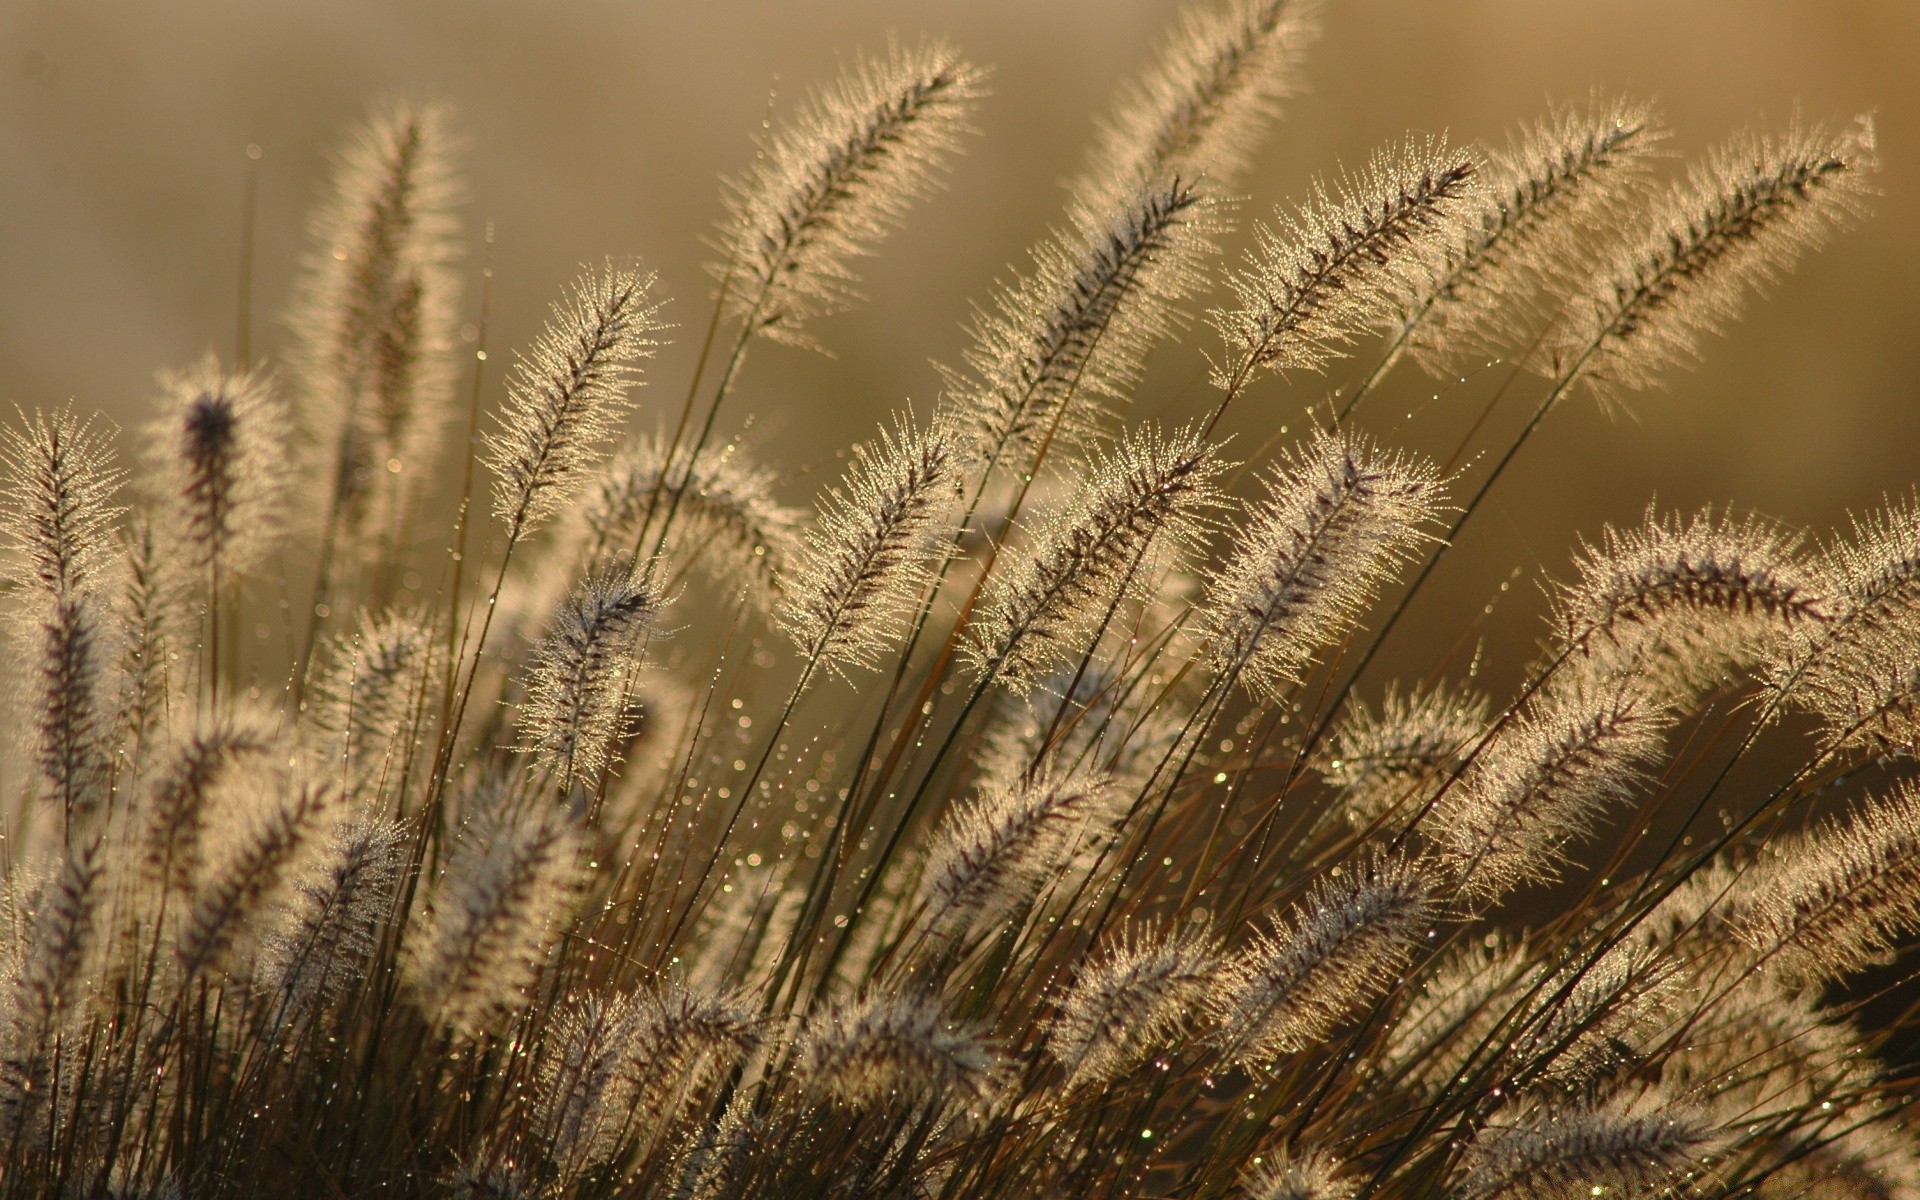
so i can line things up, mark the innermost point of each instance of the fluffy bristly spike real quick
(373, 323)
(1680, 602)
(830, 183)
(1338, 516)
(1838, 898)
(1343, 945)
(336, 913)
(1143, 505)
(56, 517)
(1554, 183)
(869, 558)
(1737, 223)
(510, 881)
(220, 456)
(1079, 327)
(1401, 753)
(1545, 778)
(727, 522)
(228, 900)
(996, 852)
(871, 1051)
(574, 712)
(1130, 1002)
(1200, 111)
(371, 694)
(1565, 1153)
(568, 395)
(181, 792)
(1335, 267)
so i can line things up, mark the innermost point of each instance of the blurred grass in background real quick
(599, 129)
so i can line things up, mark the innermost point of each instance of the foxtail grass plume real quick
(204, 762)
(1547, 1153)
(1737, 223)
(869, 557)
(1540, 201)
(1542, 780)
(996, 852)
(1336, 519)
(574, 710)
(372, 693)
(1684, 601)
(1402, 753)
(1132, 1001)
(727, 522)
(246, 876)
(875, 1050)
(56, 517)
(511, 879)
(1145, 503)
(829, 184)
(149, 617)
(1079, 326)
(1336, 266)
(335, 914)
(1841, 896)
(373, 320)
(1860, 672)
(567, 396)
(1343, 945)
(1200, 111)
(219, 452)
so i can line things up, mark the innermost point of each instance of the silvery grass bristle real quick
(1030, 816)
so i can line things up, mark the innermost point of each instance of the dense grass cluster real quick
(1024, 819)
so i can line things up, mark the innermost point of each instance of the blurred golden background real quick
(599, 129)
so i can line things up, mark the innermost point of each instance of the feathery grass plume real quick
(568, 394)
(219, 454)
(1556, 180)
(147, 612)
(1739, 221)
(1335, 266)
(368, 697)
(1680, 602)
(373, 320)
(1575, 749)
(510, 882)
(1595, 1019)
(1130, 1002)
(1294, 1175)
(1846, 1157)
(996, 852)
(238, 887)
(1346, 943)
(869, 556)
(872, 1050)
(58, 927)
(1201, 110)
(1403, 753)
(574, 710)
(1468, 992)
(336, 913)
(831, 184)
(1145, 502)
(56, 518)
(1338, 516)
(1840, 897)
(1099, 296)
(199, 764)
(727, 521)
(1860, 672)
(1564, 1153)
(1764, 1041)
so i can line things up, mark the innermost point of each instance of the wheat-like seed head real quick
(1737, 223)
(574, 711)
(1334, 267)
(220, 459)
(1143, 505)
(889, 1050)
(567, 396)
(1401, 754)
(997, 852)
(1338, 516)
(830, 183)
(870, 556)
(1130, 1002)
